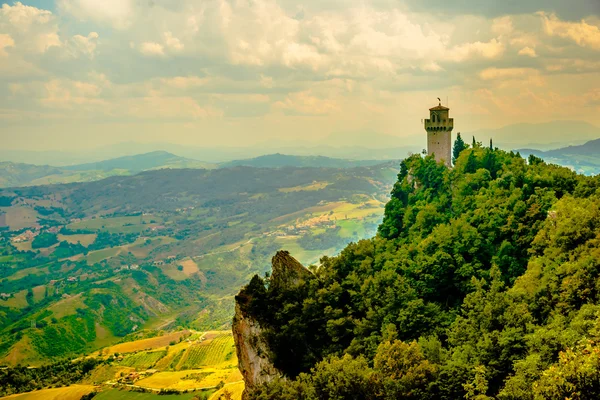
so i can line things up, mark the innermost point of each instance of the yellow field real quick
(165, 362)
(19, 217)
(128, 224)
(17, 301)
(84, 239)
(217, 351)
(189, 267)
(177, 379)
(146, 344)
(315, 210)
(311, 187)
(105, 373)
(66, 393)
(235, 389)
(23, 246)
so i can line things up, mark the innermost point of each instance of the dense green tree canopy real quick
(482, 282)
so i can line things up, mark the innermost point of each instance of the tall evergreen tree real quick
(459, 146)
(491, 145)
(474, 142)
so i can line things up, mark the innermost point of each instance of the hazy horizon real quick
(80, 74)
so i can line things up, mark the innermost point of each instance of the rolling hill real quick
(18, 174)
(583, 158)
(15, 175)
(282, 160)
(84, 264)
(141, 162)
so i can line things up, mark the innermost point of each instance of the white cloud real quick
(527, 51)
(502, 25)
(490, 50)
(507, 77)
(582, 33)
(5, 41)
(172, 42)
(85, 44)
(280, 59)
(504, 73)
(432, 67)
(22, 18)
(99, 96)
(32, 29)
(152, 49)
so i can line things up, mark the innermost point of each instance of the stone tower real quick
(439, 134)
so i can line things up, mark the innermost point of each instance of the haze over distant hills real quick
(19, 174)
(584, 158)
(283, 160)
(142, 162)
(357, 145)
(545, 136)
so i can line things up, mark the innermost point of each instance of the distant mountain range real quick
(356, 145)
(19, 174)
(283, 160)
(338, 150)
(546, 136)
(142, 162)
(584, 158)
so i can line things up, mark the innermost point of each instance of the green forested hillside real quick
(82, 265)
(482, 283)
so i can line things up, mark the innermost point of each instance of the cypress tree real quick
(459, 145)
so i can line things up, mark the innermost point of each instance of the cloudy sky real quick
(85, 73)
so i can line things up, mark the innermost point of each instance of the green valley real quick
(84, 265)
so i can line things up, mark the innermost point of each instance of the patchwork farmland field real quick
(144, 360)
(147, 344)
(217, 351)
(74, 392)
(116, 394)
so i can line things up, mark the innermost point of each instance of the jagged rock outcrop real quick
(251, 346)
(287, 271)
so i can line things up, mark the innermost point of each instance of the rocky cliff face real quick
(252, 351)
(251, 346)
